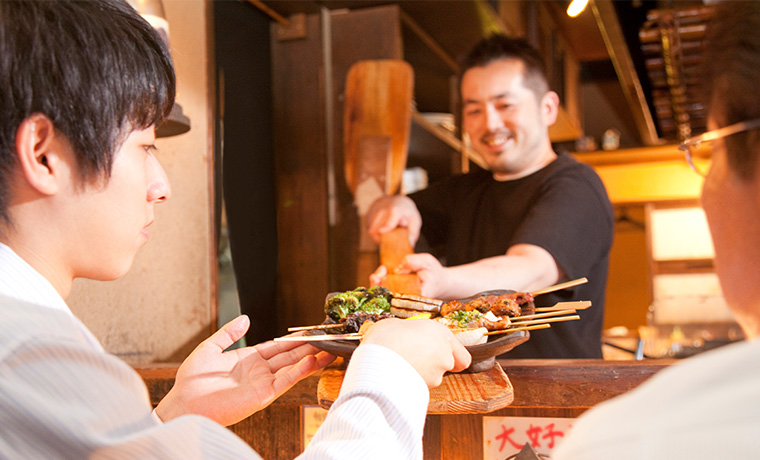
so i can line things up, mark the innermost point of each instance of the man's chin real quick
(497, 165)
(109, 271)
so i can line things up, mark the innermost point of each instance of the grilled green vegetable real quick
(376, 306)
(375, 300)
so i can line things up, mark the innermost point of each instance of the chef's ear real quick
(549, 108)
(37, 153)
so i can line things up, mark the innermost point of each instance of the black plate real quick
(483, 355)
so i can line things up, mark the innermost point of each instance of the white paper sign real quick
(312, 418)
(505, 436)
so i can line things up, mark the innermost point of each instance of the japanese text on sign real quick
(505, 436)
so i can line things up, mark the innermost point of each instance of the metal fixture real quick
(153, 12)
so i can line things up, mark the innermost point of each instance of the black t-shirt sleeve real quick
(572, 219)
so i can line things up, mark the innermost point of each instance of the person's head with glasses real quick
(731, 200)
(731, 191)
(731, 78)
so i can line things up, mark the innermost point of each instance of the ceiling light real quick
(576, 7)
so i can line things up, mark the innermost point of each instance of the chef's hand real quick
(393, 211)
(228, 386)
(429, 346)
(432, 275)
(377, 278)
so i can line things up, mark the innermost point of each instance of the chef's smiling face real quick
(506, 121)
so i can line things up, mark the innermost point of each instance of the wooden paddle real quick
(377, 122)
(378, 105)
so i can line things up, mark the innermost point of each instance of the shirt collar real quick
(18, 280)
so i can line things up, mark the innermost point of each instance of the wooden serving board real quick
(463, 393)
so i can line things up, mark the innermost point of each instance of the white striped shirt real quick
(62, 397)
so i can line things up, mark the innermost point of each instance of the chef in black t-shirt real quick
(533, 219)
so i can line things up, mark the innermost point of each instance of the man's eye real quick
(472, 112)
(150, 148)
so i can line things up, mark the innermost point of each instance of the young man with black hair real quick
(82, 86)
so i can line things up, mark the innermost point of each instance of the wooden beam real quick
(609, 26)
(430, 42)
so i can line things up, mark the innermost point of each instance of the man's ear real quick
(550, 108)
(36, 151)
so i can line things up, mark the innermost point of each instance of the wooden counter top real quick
(542, 388)
(576, 383)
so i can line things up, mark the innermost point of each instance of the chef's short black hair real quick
(95, 68)
(497, 47)
(731, 75)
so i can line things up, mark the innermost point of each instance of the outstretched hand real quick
(431, 274)
(228, 386)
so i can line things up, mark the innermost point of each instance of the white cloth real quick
(61, 396)
(706, 407)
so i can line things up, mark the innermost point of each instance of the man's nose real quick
(159, 189)
(493, 118)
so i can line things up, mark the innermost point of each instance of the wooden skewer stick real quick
(357, 336)
(576, 305)
(318, 338)
(560, 286)
(319, 326)
(425, 315)
(518, 319)
(514, 329)
(548, 320)
(558, 309)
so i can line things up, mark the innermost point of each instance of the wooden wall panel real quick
(316, 258)
(300, 167)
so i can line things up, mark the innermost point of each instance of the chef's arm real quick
(524, 267)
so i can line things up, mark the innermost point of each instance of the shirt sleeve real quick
(380, 412)
(64, 399)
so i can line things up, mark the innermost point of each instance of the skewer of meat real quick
(511, 305)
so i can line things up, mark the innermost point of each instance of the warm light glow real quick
(680, 234)
(576, 7)
(658, 181)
